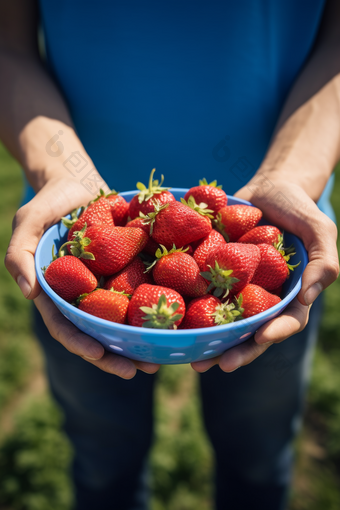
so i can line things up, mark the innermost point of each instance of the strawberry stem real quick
(78, 244)
(220, 279)
(201, 208)
(149, 219)
(286, 253)
(160, 316)
(227, 312)
(155, 188)
(220, 227)
(213, 184)
(69, 222)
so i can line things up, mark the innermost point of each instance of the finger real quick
(80, 344)
(233, 358)
(317, 231)
(55, 200)
(291, 321)
(67, 333)
(242, 355)
(323, 267)
(148, 368)
(115, 364)
(204, 365)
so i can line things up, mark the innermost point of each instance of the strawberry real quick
(264, 234)
(129, 278)
(105, 250)
(179, 271)
(209, 311)
(151, 246)
(189, 250)
(106, 304)
(232, 266)
(210, 194)
(277, 291)
(98, 212)
(143, 201)
(119, 208)
(273, 269)
(205, 246)
(253, 300)
(69, 277)
(153, 306)
(178, 223)
(233, 221)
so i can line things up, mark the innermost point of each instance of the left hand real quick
(299, 215)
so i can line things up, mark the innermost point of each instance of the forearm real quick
(32, 112)
(306, 145)
(306, 148)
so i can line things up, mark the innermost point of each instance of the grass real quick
(35, 455)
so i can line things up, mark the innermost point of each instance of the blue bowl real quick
(166, 346)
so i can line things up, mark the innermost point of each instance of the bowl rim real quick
(224, 328)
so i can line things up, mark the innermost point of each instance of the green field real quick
(35, 455)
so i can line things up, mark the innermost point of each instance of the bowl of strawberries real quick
(169, 276)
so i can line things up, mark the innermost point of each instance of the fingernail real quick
(312, 293)
(229, 371)
(91, 359)
(24, 286)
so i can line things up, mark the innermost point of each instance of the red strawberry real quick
(179, 271)
(253, 300)
(232, 266)
(98, 212)
(106, 304)
(129, 278)
(208, 311)
(178, 224)
(263, 234)
(143, 201)
(210, 194)
(106, 251)
(273, 269)
(277, 291)
(69, 277)
(119, 208)
(189, 250)
(233, 221)
(205, 246)
(151, 246)
(153, 306)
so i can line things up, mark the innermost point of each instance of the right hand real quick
(56, 199)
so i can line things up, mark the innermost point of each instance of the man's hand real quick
(57, 198)
(319, 234)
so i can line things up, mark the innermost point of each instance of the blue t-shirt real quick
(193, 88)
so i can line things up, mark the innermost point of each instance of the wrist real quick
(262, 190)
(51, 150)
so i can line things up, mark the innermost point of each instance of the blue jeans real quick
(251, 415)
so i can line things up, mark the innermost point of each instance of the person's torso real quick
(193, 88)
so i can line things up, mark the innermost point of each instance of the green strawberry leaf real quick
(204, 182)
(201, 208)
(160, 316)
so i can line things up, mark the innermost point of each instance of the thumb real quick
(19, 261)
(54, 200)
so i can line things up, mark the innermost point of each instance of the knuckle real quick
(332, 269)
(323, 224)
(19, 216)
(331, 226)
(10, 261)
